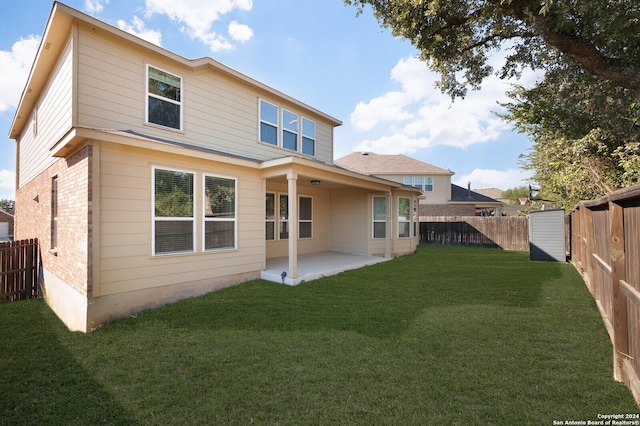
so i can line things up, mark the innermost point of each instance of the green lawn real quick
(451, 335)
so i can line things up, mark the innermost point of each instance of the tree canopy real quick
(583, 116)
(456, 37)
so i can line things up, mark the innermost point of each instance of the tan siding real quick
(54, 119)
(126, 263)
(218, 112)
(349, 222)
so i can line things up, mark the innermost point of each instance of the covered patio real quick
(316, 265)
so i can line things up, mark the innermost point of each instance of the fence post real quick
(619, 299)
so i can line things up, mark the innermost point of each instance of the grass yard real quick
(451, 335)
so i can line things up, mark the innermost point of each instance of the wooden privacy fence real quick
(20, 273)
(605, 246)
(507, 232)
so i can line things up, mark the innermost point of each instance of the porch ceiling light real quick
(315, 182)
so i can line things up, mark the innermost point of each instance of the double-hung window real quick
(305, 228)
(290, 124)
(286, 129)
(428, 184)
(268, 123)
(173, 213)
(424, 183)
(404, 217)
(379, 217)
(164, 98)
(284, 216)
(308, 136)
(220, 213)
(270, 216)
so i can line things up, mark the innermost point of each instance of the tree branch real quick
(588, 57)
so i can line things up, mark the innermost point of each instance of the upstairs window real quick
(424, 183)
(164, 98)
(173, 218)
(290, 124)
(286, 129)
(308, 137)
(268, 123)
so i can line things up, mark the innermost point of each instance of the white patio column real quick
(387, 245)
(292, 179)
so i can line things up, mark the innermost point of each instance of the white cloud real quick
(240, 32)
(198, 16)
(14, 70)
(7, 185)
(487, 178)
(94, 6)
(137, 28)
(420, 116)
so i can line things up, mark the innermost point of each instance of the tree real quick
(7, 206)
(586, 134)
(583, 116)
(456, 37)
(513, 195)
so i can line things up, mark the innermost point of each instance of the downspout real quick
(387, 245)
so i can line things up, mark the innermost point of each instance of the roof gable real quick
(378, 164)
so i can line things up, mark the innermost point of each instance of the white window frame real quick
(224, 219)
(308, 136)
(301, 221)
(285, 128)
(403, 221)
(148, 94)
(283, 220)
(281, 128)
(273, 221)
(262, 120)
(373, 216)
(155, 218)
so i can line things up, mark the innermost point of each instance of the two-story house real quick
(150, 178)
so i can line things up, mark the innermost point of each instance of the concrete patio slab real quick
(316, 265)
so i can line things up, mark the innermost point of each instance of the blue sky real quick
(317, 51)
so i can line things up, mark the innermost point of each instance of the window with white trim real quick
(290, 124)
(424, 183)
(283, 225)
(404, 217)
(305, 220)
(173, 212)
(268, 123)
(379, 228)
(219, 213)
(164, 98)
(308, 136)
(270, 216)
(286, 129)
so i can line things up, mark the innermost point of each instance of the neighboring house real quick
(149, 178)
(6, 226)
(471, 202)
(439, 196)
(494, 193)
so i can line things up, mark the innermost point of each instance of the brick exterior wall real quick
(70, 261)
(447, 210)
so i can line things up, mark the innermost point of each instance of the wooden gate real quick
(20, 270)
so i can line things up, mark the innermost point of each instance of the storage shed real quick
(546, 236)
